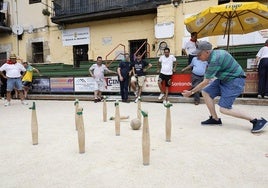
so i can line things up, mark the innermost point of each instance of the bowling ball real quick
(135, 124)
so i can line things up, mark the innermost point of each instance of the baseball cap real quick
(201, 46)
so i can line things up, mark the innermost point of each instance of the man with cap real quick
(13, 75)
(224, 77)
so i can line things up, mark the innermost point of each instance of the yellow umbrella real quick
(229, 18)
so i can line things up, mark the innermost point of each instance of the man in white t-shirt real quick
(262, 58)
(97, 71)
(168, 66)
(190, 47)
(13, 75)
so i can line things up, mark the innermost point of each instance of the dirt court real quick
(197, 156)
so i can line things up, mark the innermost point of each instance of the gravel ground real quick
(197, 156)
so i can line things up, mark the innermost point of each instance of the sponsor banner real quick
(252, 76)
(180, 82)
(84, 84)
(251, 85)
(64, 84)
(76, 36)
(87, 84)
(112, 84)
(151, 84)
(251, 63)
(40, 85)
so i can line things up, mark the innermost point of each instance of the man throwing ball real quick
(228, 83)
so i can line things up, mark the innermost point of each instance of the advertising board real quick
(40, 85)
(179, 82)
(87, 84)
(63, 84)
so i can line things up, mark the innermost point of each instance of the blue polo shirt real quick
(199, 67)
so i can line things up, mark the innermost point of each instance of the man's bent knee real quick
(224, 110)
(204, 93)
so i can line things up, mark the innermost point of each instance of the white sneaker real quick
(259, 96)
(7, 103)
(161, 96)
(24, 102)
(137, 99)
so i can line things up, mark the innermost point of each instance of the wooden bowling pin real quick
(117, 119)
(34, 125)
(80, 130)
(121, 117)
(76, 104)
(104, 112)
(139, 109)
(145, 139)
(168, 122)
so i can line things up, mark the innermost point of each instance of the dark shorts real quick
(166, 78)
(26, 84)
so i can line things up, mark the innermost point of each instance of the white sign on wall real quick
(76, 36)
(107, 41)
(164, 30)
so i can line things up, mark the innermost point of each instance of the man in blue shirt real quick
(198, 70)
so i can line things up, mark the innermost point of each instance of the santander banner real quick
(179, 83)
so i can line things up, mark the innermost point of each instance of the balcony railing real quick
(74, 7)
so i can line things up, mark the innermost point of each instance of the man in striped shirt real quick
(224, 77)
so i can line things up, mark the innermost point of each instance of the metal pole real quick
(17, 17)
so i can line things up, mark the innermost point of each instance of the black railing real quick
(74, 7)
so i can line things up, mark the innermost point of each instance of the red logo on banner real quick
(180, 82)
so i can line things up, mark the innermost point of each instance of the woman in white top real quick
(262, 58)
